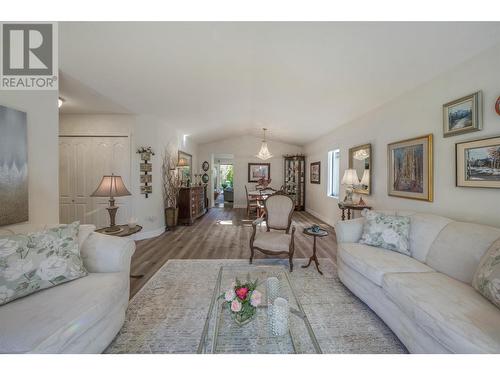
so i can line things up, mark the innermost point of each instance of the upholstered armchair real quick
(279, 209)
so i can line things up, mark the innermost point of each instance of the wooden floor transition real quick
(223, 233)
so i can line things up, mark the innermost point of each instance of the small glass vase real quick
(242, 319)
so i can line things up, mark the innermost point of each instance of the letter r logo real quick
(27, 49)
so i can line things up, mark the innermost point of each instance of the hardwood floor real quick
(223, 233)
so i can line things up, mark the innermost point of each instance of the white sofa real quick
(80, 316)
(426, 299)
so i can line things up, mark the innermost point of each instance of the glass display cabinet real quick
(295, 179)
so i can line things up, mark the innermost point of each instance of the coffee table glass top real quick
(222, 335)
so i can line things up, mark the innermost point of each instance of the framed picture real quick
(145, 167)
(315, 172)
(478, 163)
(410, 168)
(146, 178)
(256, 171)
(14, 193)
(463, 115)
(205, 166)
(146, 189)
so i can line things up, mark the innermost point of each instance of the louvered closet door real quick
(82, 163)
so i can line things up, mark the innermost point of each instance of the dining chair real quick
(277, 239)
(252, 204)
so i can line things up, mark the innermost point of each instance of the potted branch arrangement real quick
(170, 186)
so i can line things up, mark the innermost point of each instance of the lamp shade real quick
(350, 177)
(365, 180)
(111, 186)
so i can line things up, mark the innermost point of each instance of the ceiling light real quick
(60, 102)
(264, 153)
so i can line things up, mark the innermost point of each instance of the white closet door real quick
(111, 155)
(83, 162)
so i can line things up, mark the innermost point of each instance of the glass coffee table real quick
(222, 335)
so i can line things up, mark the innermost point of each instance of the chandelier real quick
(361, 155)
(264, 153)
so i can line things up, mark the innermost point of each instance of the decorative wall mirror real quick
(360, 159)
(184, 164)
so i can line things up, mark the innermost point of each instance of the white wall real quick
(417, 113)
(143, 131)
(243, 150)
(43, 152)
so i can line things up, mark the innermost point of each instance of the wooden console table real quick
(353, 207)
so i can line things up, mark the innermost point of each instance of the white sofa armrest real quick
(103, 253)
(349, 230)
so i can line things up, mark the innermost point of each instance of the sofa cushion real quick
(458, 249)
(36, 261)
(389, 232)
(272, 241)
(374, 263)
(487, 277)
(49, 320)
(424, 229)
(450, 311)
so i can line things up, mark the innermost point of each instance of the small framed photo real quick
(257, 171)
(145, 167)
(146, 189)
(315, 172)
(146, 178)
(463, 115)
(478, 163)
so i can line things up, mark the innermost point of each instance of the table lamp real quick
(111, 186)
(350, 179)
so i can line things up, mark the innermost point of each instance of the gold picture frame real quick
(361, 166)
(463, 115)
(410, 168)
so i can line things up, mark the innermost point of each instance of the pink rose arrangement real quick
(242, 300)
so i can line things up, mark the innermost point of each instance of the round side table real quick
(321, 233)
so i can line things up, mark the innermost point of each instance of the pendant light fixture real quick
(264, 153)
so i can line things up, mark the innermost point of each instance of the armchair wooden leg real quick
(290, 260)
(251, 255)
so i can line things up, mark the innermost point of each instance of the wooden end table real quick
(321, 233)
(353, 207)
(124, 231)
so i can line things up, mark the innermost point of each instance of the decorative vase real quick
(132, 222)
(279, 317)
(171, 216)
(241, 318)
(273, 289)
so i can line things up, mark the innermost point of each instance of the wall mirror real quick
(360, 159)
(184, 164)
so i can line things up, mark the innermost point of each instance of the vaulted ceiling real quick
(216, 80)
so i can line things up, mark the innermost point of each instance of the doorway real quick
(223, 183)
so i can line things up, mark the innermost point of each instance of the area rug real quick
(167, 315)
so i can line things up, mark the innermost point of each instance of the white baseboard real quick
(321, 217)
(149, 234)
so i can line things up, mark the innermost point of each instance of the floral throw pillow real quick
(36, 261)
(389, 232)
(487, 277)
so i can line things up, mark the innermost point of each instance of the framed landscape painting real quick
(256, 171)
(463, 115)
(315, 172)
(478, 163)
(410, 168)
(13, 166)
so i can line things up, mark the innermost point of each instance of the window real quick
(334, 173)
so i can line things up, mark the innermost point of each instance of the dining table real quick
(260, 198)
